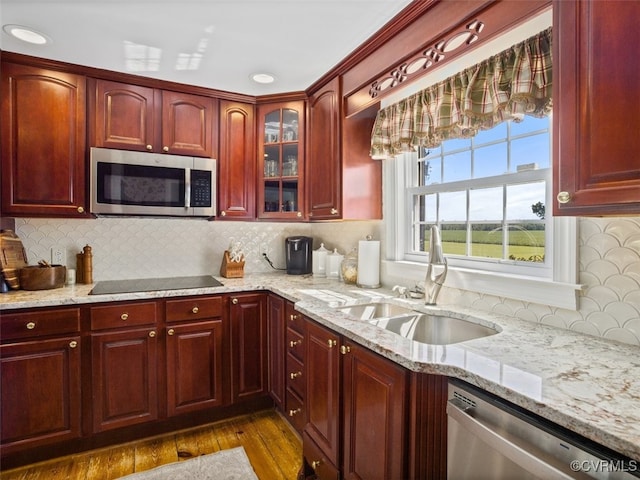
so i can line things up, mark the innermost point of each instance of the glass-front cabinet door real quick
(281, 161)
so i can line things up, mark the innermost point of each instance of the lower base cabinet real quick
(366, 415)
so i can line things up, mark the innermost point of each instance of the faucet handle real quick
(402, 291)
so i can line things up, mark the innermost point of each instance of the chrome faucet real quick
(437, 269)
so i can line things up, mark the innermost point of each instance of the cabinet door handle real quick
(149, 147)
(295, 375)
(293, 317)
(195, 310)
(334, 211)
(73, 344)
(293, 343)
(124, 316)
(171, 331)
(299, 214)
(315, 464)
(152, 333)
(31, 325)
(165, 149)
(80, 209)
(234, 301)
(345, 349)
(294, 412)
(564, 197)
(332, 343)
(223, 213)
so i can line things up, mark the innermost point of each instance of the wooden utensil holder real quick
(230, 269)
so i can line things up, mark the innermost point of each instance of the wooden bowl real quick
(42, 278)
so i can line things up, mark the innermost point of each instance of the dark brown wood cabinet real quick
(194, 350)
(124, 370)
(295, 368)
(42, 132)
(276, 338)
(134, 117)
(248, 322)
(236, 161)
(343, 181)
(324, 180)
(596, 143)
(40, 378)
(280, 171)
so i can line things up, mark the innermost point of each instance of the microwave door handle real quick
(187, 188)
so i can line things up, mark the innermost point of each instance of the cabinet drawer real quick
(321, 465)
(295, 320)
(295, 378)
(295, 411)
(193, 308)
(295, 344)
(36, 324)
(126, 315)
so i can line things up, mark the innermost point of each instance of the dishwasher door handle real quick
(513, 452)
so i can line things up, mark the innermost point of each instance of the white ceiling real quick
(219, 42)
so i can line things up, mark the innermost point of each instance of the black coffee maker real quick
(298, 254)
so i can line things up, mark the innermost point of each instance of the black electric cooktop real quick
(152, 284)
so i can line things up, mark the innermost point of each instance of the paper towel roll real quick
(369, 263)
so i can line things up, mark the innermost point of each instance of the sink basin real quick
(369, 311)
(433, 329)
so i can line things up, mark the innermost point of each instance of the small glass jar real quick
(349, 267)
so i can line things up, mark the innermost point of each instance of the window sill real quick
(528, 289)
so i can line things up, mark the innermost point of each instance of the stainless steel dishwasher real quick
(492, 439)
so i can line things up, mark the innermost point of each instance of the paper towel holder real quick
(369, 274)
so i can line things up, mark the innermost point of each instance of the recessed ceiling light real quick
(263, 78)
(26, 34)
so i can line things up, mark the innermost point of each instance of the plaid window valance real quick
(504, 87)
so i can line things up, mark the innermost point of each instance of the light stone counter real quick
(584, 383)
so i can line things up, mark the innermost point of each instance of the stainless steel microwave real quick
(139, 183)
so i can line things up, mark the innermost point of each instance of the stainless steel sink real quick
(369, 311)
(433, 329)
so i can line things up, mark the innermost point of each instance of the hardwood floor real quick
(274, 450)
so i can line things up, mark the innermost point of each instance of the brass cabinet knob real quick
(73, 344)
(293, 343)
(334, 211)
(234, 301)
(80, 209)
(299, 214)
(170, 332)
(31, 325)
(124, 316)
(152, 333)
(165, 149)
(564, 197)
(195, 310)
(294, 412)
(345, 349)
(315, 464)
(149, 147)
(223, 213)
(295, 375)
(293, 317)
(332, 343)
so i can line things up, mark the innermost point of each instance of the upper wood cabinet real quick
(133, 117)
(281, 161)
(343, 182)
(596, 143)
(323, 190)
(43, 142)
(236, 162)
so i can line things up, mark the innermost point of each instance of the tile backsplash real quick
(123, 248)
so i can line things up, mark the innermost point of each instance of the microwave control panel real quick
(200, 188)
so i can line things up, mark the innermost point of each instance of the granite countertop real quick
(584, 383)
